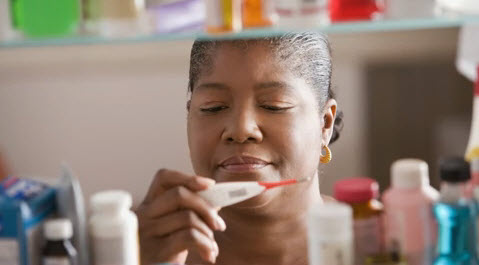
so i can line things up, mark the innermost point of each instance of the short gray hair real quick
(306, 54)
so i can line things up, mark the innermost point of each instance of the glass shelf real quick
(336, 28)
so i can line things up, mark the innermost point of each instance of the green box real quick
(46, 18)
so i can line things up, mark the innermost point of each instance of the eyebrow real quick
(214, 86)
(259, 86)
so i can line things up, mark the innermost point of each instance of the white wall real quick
(117, 113)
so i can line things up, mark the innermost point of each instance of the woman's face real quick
(251, 119)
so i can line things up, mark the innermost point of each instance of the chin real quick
(267, 173)
(257, 203)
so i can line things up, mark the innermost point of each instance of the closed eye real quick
(275, 108)
(213, 109)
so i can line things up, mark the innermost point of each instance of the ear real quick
(188, 105)
(329, 115)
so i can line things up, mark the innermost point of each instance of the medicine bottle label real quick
(56, 261)
(338, 253)
(110, 251)
(116, 251)
(367, 238)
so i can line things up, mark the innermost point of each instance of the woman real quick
(259, 109)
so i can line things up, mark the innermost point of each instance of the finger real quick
(181, 198)
(152, 254)
(166, 179)
(191, 239)
(174, 222)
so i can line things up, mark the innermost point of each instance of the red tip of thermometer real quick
(269, 185)
(228, 193)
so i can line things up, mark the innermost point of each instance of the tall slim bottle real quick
(456, 215)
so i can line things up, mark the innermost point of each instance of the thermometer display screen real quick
(237, 193)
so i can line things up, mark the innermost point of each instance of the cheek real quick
(300, 141)
(202, 140)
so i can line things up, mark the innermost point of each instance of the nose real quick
(242, 127)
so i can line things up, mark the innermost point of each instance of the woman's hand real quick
(173, 219)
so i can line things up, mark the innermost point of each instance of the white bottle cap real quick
(331, 221)
(110, 201)
(58, 229)
(409, 174)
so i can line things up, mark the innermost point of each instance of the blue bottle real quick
(456, 216)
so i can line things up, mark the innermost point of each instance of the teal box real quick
(24, 206)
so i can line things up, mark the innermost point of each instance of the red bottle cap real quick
(347, 10)
(356, 190)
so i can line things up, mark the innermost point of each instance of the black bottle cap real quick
(455, 169)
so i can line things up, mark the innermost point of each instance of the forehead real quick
(253, 68)
(247, 61)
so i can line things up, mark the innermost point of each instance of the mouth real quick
(237, 164)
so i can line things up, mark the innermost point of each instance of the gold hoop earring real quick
(327, 157)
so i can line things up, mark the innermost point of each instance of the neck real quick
(266, 236)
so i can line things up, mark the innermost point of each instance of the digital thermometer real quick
(228, 193)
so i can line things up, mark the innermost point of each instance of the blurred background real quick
(116, 113)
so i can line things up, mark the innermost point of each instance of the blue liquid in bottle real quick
(456, 216)
(457, 234)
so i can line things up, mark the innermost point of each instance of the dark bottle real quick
(58, 250)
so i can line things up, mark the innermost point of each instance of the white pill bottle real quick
(113, 229)
(330, 234)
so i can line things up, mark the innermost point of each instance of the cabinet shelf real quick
(336, 28)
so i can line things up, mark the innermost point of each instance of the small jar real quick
(362, 195)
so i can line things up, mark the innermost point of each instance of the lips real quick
(243, 163)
